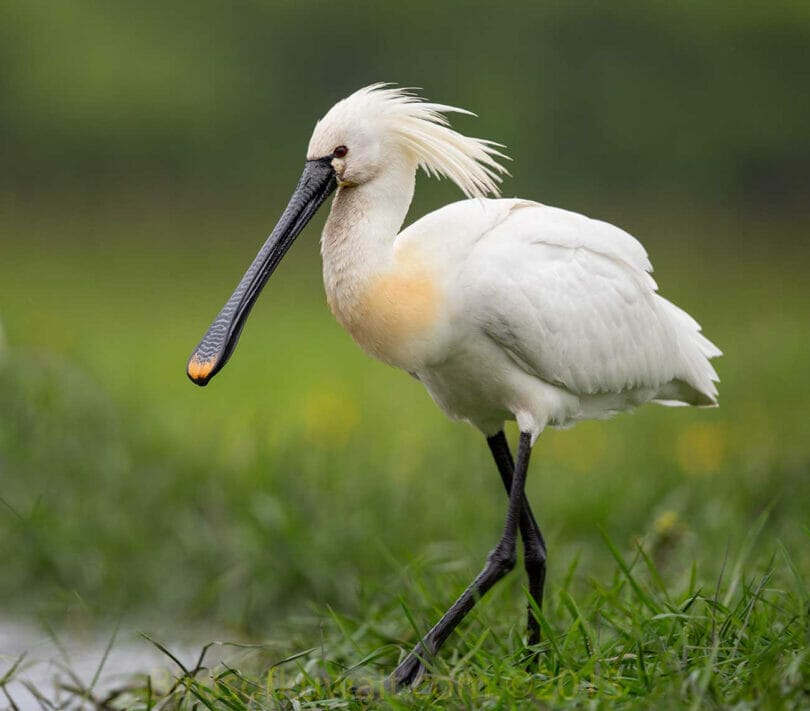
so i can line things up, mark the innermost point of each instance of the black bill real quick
(216, 346)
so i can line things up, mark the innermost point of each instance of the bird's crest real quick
(422, 129)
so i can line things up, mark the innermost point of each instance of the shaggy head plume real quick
(391, 114)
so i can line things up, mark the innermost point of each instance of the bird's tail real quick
(699, 375)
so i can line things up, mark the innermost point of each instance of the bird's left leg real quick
(534, 546)
(499, 562)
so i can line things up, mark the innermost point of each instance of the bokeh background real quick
(146, 151)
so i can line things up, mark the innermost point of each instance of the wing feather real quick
(572, 300)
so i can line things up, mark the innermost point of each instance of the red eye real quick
(340, 152)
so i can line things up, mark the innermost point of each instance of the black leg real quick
(499, 562)
(534, 547)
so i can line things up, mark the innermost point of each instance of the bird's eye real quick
(340, 152)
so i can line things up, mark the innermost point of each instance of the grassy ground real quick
(315, 498)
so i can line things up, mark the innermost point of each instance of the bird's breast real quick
(392, 314)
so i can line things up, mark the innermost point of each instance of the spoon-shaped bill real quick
(213, 351)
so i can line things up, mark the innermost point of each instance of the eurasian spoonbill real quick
(504, 309)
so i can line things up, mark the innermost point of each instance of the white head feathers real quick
(380, 116)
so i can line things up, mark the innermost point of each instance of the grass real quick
(316, 499)
(635, 639)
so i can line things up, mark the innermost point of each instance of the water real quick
(53, 661)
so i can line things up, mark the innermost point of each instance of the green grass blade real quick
(642, 596)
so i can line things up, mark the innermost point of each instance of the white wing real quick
(571, 299)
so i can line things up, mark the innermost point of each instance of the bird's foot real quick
(409, 672)
(531, 660)
(532, 657)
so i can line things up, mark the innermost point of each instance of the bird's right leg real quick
(534, 546)
(499, 562)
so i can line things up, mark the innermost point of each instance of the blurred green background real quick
(148, 148)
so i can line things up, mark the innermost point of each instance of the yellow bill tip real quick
(200, 370)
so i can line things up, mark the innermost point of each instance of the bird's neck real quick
(358, 239)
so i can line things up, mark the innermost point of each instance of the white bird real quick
(504, 309)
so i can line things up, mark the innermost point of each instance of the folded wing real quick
(572, 301)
